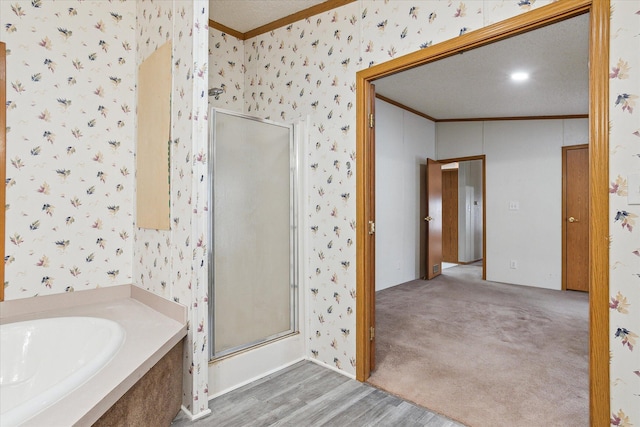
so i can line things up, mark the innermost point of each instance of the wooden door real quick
(434, 219)
(450, 215)
(575, 201)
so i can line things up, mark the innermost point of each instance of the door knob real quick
(428, 219)
(572, 219)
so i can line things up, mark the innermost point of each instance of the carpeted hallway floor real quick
(485, 353)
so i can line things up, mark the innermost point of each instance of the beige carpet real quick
(485, 353)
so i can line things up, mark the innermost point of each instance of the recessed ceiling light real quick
(519, 76)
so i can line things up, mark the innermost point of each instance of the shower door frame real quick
(294, 179)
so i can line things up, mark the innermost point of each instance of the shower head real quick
(215, 91)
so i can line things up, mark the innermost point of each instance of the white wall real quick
(523, 166)
(470, 211)
(403, 142)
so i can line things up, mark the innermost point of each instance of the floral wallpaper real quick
(70, 143)
(173, 263)
(624, 288)
(226, 70)
(71, 71)
(307, 69)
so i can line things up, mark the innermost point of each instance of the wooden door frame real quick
(599, 388)
(564, 208)
(482, 157)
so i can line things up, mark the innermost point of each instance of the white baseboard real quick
(195, 417)
(333, 368)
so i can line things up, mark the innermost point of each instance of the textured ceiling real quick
(477, 83)
(245, 15)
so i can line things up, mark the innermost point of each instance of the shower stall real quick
(253, 265)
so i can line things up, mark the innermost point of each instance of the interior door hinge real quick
(371, 120)
(372, 333)
(372, 227)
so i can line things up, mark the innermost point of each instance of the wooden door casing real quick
(599, 128)
(434, 219)
(450, 215)
(371, 303)
(575, 218)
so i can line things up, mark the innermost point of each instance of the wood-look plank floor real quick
(305, 395)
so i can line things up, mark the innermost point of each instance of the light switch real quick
(514, 206)
(633, 189)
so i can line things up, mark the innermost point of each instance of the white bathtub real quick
(43, 360)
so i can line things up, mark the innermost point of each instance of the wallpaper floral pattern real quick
(226, 70)
(307, 69)
(70, 143)
(173, 263)
(70, 163)
(624, 288)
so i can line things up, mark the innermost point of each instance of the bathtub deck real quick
(153, 326)
(307, 394)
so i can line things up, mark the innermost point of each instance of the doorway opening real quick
(598, 179)
(464, 212)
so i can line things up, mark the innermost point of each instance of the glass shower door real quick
(252, 263)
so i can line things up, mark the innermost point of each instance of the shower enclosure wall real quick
(253, 221)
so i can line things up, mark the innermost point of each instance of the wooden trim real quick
(482, 157)
(3, 157)
(599, 386)
(228, 30)
(298, 16)
(599, 391)
(362, 371)
(404, 107)
(365, 253)
(479, 119)
(463, 159)
(496, 119)
(370, 172)
(282, 22)
(520, 24)
(564, 209)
